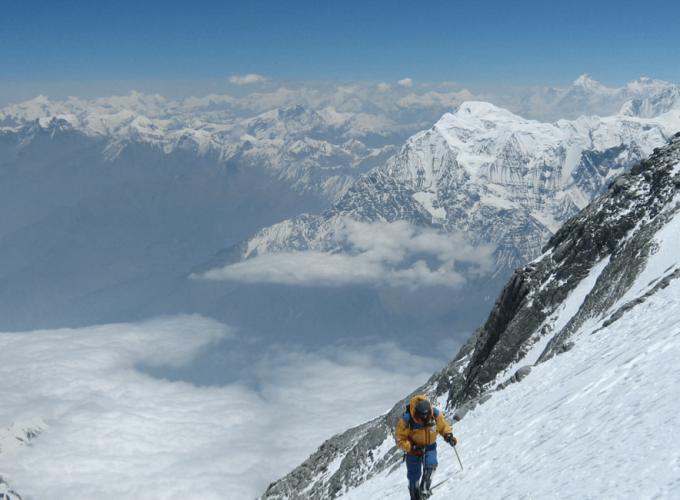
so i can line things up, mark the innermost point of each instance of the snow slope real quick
(599, 421)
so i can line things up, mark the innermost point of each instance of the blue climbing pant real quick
(415, 464)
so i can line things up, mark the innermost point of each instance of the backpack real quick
(415, 425)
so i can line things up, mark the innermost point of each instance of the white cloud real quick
(405, 82)
(246, 79)
(117, 433)
(395, 254)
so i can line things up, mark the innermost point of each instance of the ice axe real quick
(458, 456)
(452, 441)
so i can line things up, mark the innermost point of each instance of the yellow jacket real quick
(419, 433)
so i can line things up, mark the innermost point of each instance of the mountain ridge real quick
(584, 95)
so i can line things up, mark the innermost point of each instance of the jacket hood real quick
(414, 400)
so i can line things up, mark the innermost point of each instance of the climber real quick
(416, 433)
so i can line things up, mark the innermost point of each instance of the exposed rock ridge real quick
(6, 493)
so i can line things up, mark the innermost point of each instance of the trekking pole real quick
(458, 456)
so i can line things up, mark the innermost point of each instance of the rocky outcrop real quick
(6, 493)
(19, 436)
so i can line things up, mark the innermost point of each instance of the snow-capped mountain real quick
(483, 161)
(574, 365)
(501, 180)
(586, 96)
(317, 141)
(315, 151)
(660, 102)
(484, 170)
(20, 435)
(376, 108)
(6, 493)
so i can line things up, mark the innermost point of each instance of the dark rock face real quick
(616, 231)
(19, 436)
(618, 226)
(6, 493)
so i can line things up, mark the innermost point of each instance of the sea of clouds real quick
(392, 254)
(114, 431)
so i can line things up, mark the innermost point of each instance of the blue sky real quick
(541, 42)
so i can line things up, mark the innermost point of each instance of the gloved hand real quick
(417, 450)
(450, 439)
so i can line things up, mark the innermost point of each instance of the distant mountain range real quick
(375, 107)
(108, 206)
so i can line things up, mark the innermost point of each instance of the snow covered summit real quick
(500, 180)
